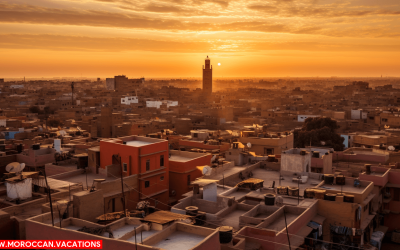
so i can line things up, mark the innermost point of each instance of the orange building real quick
(142, 156)
(183, 170)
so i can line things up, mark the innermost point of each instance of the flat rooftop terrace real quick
(81, 178)
(345, 188)
(180, 158)
(279, 223)
(270, 176)
(232, 219)
(179, 240)
(142, 235)
(138, 143)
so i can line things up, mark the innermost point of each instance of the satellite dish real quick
(391, 148)
(15, 167)
(207, 171)
(322, 143)
(249, 145)
(62, 132)
(213, 159)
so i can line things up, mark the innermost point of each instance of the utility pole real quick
(123, 194)
(49, 194)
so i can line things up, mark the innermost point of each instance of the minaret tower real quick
(207, 77)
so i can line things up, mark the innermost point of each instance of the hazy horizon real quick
(166, 38)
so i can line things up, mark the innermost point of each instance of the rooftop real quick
(138, 143)
(180, 240)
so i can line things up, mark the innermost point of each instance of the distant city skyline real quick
(167, 38)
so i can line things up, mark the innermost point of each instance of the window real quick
(148, 165)
(195, 135)
(147, 184)
(162, 161)
(188, 179)
(162, 178)
(268, 151)
(125, 167)
(396, 194)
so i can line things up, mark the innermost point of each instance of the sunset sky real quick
(171, 38)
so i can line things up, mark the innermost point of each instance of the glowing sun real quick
(219, 64)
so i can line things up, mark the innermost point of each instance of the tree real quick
(317, 130)
(54, 122)
(48, 110)
(34, 109)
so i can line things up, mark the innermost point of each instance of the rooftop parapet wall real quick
(36, 229)
(211, 237)
(273, 240)
(379, 178)
(360, 156)
(360, 193)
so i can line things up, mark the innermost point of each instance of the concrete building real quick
(110, 83)
(207, 77)
(142, 156)
(159, 230)
(127, 100)
(122, 83)
(302, 118)
(37, 157)
(321, 160)
(296, 161)
(348, 140)
(267, 143)
(359, 114)
(241, 155)
(185, 167)
(158, 104)
(370, 140)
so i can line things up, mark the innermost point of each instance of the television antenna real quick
(213, 159)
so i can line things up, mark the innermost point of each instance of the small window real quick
(162, 178)
(125, 167)
(147, 184)
(162, 161)
(188, 179)
(148, 165)
(396, 194)
(268, 151)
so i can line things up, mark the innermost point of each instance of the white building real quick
(3, 121)
(358, 114)
(157, 104)
(302, 118)
(21, 86)
(127, 100)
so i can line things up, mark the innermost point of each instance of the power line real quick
(247, 224)
(207, 221)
